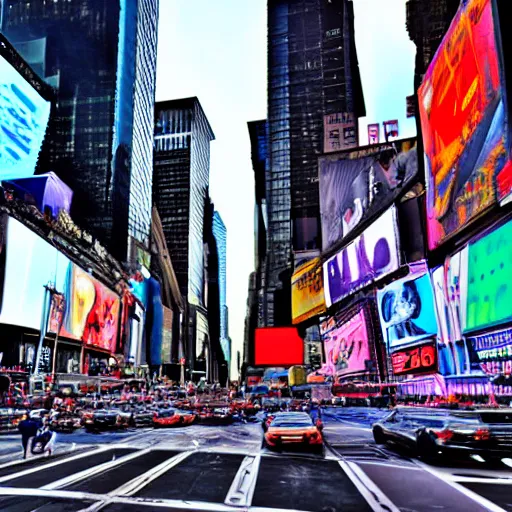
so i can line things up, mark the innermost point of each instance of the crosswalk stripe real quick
(100, 468)
(243, 486)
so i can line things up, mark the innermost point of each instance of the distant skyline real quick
(217, 51)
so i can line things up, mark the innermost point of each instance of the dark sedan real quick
(431, 433)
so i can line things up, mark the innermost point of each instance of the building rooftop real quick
(184, 103)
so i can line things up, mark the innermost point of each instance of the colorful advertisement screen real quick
(31, 263)
(406, 310)
(463, 122)
(494, 351)
(370, 256)
(347, 348)
(418, 360)
(489, 282)
(307, 291)
(278, 346)
(357, 185)
(24, 116)
(448, 292)
(91, 311)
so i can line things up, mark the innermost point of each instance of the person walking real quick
(28, 429)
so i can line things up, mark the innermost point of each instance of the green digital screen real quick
(489, 295)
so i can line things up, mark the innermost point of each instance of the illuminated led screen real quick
(278, 346)
(24, 116)
(463, 118)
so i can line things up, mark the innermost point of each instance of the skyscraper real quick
(101, 55)
(180, 183)
(312, 73)
(220, 234)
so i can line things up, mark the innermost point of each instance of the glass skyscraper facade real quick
(220, 234)
(180, 183)
(312, 72)
(101, 56)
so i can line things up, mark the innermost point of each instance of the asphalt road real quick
(226, 469)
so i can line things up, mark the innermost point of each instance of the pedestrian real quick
(28, 429)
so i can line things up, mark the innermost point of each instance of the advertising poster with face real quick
(406, 310)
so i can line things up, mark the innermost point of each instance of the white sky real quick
(217, 50)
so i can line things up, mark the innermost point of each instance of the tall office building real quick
(101, 56)
(313, 73)
(220, 234)
(427, 22)
(258, 135)
(180, 182)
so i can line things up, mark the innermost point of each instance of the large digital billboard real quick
(307, 291)
(31, 263)
(347, 347)
(91, 311)
(489, 281)
(463, 118)
(24, 116)
(406, 310)
(359, 184)
(370, 256)
(278, 346)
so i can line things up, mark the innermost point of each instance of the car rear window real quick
(291, 423)
(496, 417)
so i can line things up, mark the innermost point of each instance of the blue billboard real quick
(24, 116)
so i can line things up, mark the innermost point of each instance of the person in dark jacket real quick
(28, 429)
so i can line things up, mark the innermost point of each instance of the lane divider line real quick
(489, 505)
(243, 486)
(100, 468)
(367, 487)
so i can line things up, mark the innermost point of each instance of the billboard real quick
(461, 102)
(357, 185)
(31, 263)
(446, 281)
(347, 348)
(370, 256)
(24, 116)
(494, 351)
(406, 310)
(418, 360)
(340, 132)
(91, 311)
(374, 133)
(489, 280)
(307, 291)
(278, 346)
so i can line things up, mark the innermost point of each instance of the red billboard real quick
(415, 360)
(463, 119)
(278, 346)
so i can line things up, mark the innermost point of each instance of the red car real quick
(294, 429)
(172, 418)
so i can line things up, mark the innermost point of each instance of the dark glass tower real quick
(101, 55)
(312, 72)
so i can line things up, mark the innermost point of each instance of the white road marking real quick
(131, 487)
(489, 505)
(242, 488)
(386, 464)
(100, 468)
(53, 464)
(368, 489)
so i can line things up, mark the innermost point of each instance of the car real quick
(173, 418)
(432, 434)
(270, 417)
(294, 430)
(105, 419)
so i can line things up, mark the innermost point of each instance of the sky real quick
(217, 50)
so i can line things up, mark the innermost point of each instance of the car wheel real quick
(426, 448)
(379, 436)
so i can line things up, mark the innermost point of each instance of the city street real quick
(225, 468)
